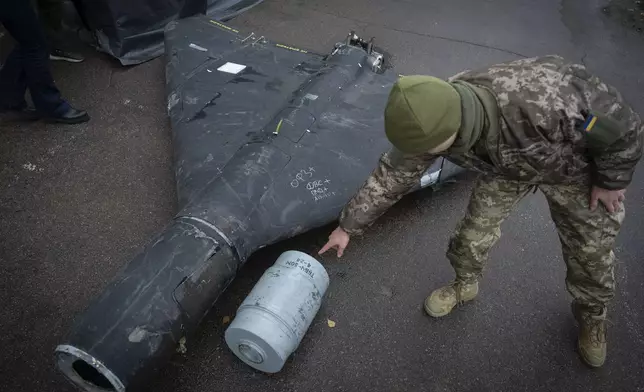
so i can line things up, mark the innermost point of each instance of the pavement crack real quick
(583, 59)
(109, 79)
(458, 41)
(440, 37)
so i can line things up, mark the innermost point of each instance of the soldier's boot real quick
(441, 302)
(592, 335)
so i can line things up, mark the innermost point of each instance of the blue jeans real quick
(27, 67)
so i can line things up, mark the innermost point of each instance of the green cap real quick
(422, 112)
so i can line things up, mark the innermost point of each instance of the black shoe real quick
(71, 116)
(61, 55)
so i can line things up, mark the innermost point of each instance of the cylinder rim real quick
(79, 354)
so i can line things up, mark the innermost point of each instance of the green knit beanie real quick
(422, 112)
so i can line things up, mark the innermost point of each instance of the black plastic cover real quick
(132, 31)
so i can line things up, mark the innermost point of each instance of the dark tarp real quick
(132, 30)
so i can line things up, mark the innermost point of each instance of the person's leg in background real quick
(28, 67)
(587, 241)
(13, 82)
(51, 17)
(80, 9)
(491, 202)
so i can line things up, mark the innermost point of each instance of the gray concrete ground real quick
(76, 203)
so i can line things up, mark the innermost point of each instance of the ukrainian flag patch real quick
(590, 123)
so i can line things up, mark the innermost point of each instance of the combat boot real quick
(592, 334)
(441, 302)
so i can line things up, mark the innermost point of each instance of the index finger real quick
(326, 247)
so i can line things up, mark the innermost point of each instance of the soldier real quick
(538, 123)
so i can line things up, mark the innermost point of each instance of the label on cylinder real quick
(274, 317)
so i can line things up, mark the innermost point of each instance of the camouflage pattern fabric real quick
(587, 237)
(539, 143)
(396, 174)
(491, 202)
(543, 103)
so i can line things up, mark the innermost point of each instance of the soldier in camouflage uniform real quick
(539, 123)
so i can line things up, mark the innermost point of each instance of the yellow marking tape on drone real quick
(291, 48)
(223, 26)
(279, 125)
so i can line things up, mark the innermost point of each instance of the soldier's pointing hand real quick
(337, 239)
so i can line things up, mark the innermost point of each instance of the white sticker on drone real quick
(231, 68)
(199, 48)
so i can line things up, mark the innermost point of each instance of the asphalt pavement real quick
(77, 202)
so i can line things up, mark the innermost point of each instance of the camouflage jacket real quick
(543, 104)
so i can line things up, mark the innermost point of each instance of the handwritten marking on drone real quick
(319, 188)
(302, 176)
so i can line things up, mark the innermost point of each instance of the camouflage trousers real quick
(587, 237)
